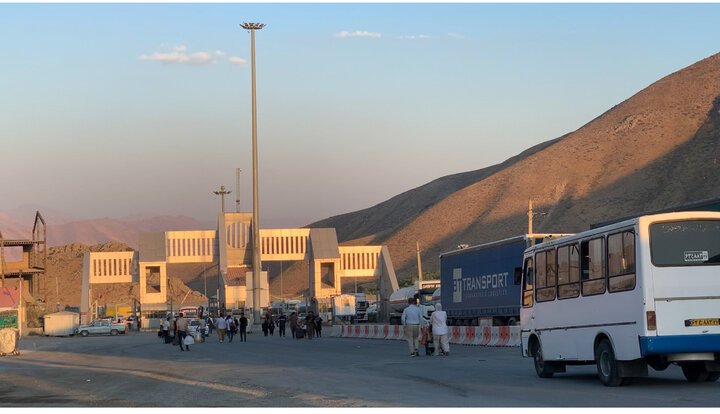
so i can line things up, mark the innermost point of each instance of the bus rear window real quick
(685, 243)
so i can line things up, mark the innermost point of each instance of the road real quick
(136, 369)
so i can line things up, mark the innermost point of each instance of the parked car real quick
(101, 327)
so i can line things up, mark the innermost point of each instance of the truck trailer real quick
(420, 291)
(481, 283)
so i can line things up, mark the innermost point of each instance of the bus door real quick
(527, 319)
(685, 259)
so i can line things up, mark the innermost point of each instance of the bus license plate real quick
(702, 322)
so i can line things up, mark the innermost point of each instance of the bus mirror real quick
(518, 275)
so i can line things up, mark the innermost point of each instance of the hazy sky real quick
(110, 110)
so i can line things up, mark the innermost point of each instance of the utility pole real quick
(222, 193)
(237, 190)
(257, 265)
(530, 214)
(419, 264)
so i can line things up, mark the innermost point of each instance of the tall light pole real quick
(255, 218)
(222, 193)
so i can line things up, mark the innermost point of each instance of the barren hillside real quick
(658, 149)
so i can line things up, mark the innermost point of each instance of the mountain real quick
(657, 149)
(62, 230)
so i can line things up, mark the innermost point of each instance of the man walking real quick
(243, 327)
(182, 328)
(440, 330)
(166, 329)
(281, 321)
(293, 324)
(221, 327)
(412, 319)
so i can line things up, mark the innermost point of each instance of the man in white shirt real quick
(440, 330)
(221, 327)
(412, 318)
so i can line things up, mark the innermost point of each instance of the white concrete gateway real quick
(231, 246)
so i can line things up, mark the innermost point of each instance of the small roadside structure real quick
(61, 323)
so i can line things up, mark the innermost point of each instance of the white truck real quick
(101, 327)
(422, 291)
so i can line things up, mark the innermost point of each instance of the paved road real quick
(136, 369)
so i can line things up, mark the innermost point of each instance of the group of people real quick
(309, 326)
(413, 320)
(230, 326)
(224, 325)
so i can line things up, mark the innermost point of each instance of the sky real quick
(117, 110)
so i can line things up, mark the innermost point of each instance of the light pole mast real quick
(222, 193)
(255, 216)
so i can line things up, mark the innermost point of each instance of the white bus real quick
(640, 292)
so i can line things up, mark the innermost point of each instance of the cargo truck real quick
(482, 283)
(422, 291)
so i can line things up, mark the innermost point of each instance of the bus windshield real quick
(685, 243)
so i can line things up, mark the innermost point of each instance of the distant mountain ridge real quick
(61, 230)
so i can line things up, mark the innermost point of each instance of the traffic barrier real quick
(460, 335)
(494, 336)
(469, 336)
(380, 331)
(503, 335)
(395, 332)
(455, 332)
(514, 336)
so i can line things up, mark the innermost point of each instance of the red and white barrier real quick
(460, 335)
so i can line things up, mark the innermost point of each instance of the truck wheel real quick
(512, 322)
(114, 332)
(84, 333)
(712, 376)
(542, 368)
(694, 371)
(607, 368)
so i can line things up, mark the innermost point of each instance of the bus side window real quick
(568, 271)
(528, 282)
(545, 276)
(593, 266)
(621, 261)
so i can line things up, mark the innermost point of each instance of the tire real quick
(712, 376)
(542, 368)
(607, 367)
(84, 333)
(512, 322)
(694, 371)
(114, 332)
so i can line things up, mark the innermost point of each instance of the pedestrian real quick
(243, 327)
(271, 324)
(293, 324)
(440, 331)
(182, 328)
(412, 318)
(318, 326)
(231, 327)
(281, 321)
(310, 324)
(202, 328)
(210, 324)
(265, 328)
(221, 327)
(302, 328)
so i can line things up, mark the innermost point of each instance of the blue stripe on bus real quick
(674, 344)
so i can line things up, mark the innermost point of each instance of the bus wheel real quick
(542, 368)
(694, 371)
(606, 364)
